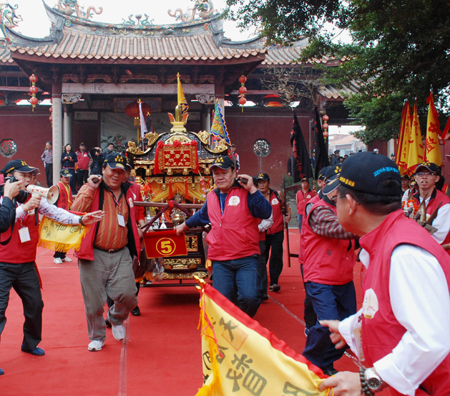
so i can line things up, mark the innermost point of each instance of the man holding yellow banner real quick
(233, 209)
(17, 258)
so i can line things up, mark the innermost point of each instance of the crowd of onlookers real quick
(80, 164)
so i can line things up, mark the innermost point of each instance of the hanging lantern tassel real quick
(242, 91)
(33, 91)
(325, 126)
(186, 190)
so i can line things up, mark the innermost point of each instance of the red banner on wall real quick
(164, 244)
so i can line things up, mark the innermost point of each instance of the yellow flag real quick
(401, 159)
(415, 154)
(182, 102)
(60, 237)
(432, 144)
(242, 358)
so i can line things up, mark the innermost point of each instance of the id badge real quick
(121, 220)
(24, 235)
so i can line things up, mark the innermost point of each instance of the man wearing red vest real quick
(18, 257)
(328, 252)
(233, 210)
(302, 198)
(84, 161)
(274, 236)
(105, 255)
(401, 334)
(64, 201)
(427, 175)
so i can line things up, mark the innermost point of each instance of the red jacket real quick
(234, 234)
(327, 261)
(86, 251)
(137, 196)
(301, 257)
(382, 333)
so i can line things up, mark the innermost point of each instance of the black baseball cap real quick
(366, 172)
(65, 173)
(405, 176)
(262, 176)
(331, 172)
(19, 166)
(431, 166)
(322, 172)
(222, 162)
(129, 162)
(305, 179)
(115, 161)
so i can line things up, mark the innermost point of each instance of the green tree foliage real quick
(399, 49)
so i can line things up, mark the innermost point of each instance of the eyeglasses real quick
(425, 174)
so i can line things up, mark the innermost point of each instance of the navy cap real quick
(331, 172)
(431, 166)
(115, 161)
(19, 166)
(223, 162)
(129, 163)
(262, 176)
(65, 173)
(322, 172)
(366, 173)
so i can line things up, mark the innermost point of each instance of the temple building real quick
(92, 71)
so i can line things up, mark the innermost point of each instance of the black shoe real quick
(264, 297)
(136, 311)
(276, 287)
(330, 372)
(107, 323)
(36, 351)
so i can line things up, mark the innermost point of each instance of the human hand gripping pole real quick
(246, 181)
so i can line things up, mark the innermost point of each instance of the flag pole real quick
(286, 226)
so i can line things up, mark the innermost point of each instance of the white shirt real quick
(60, 215)
(420, 301)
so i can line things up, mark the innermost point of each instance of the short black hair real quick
(375, 203)
(50, 143)
(110, 144)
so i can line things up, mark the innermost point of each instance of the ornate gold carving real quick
(158, 180)
(192, 243)
(204, 137)
(221, 147)
(152, 137)
(133, 149)
(189, 275)
(180, 138)
(105, 77)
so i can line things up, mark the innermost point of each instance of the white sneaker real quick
(118, 332)
(57, 260)
(96, 345)
(67, 260)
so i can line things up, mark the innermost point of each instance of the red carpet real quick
(161, 355)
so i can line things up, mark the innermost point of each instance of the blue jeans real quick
(243, 274)
(331, 302)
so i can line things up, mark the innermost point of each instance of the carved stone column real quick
(68, 131)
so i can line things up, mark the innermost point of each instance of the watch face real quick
(373, 383)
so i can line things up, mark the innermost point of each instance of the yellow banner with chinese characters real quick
(60, 237)
(240, 357)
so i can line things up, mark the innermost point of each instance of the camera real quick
(21, 197)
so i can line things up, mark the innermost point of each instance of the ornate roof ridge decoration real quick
(8, 20)
(205, 8)
(71, 7)
(134, 24)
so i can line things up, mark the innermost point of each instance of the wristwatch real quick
(373, 380)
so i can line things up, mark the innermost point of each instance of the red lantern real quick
(50, 118)
(33, 78)
(325, 118)
(242, 79)
(50, 109)
(325, 134)
(325, 126)
(34, 101)
(242, 90)
(132, 109)
(34, 89)
(242, 101)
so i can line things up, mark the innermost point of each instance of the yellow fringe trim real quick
(61, 246)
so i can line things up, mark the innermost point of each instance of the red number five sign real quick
(165, 244)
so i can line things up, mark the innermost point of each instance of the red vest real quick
(234, 234)
(16, 252)
(326, 260)
(436, 198)
(83, 160)
(301, 255)
(86, 251)
(382, 333)
(65, 196)
(278, 221)
(303, 199)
